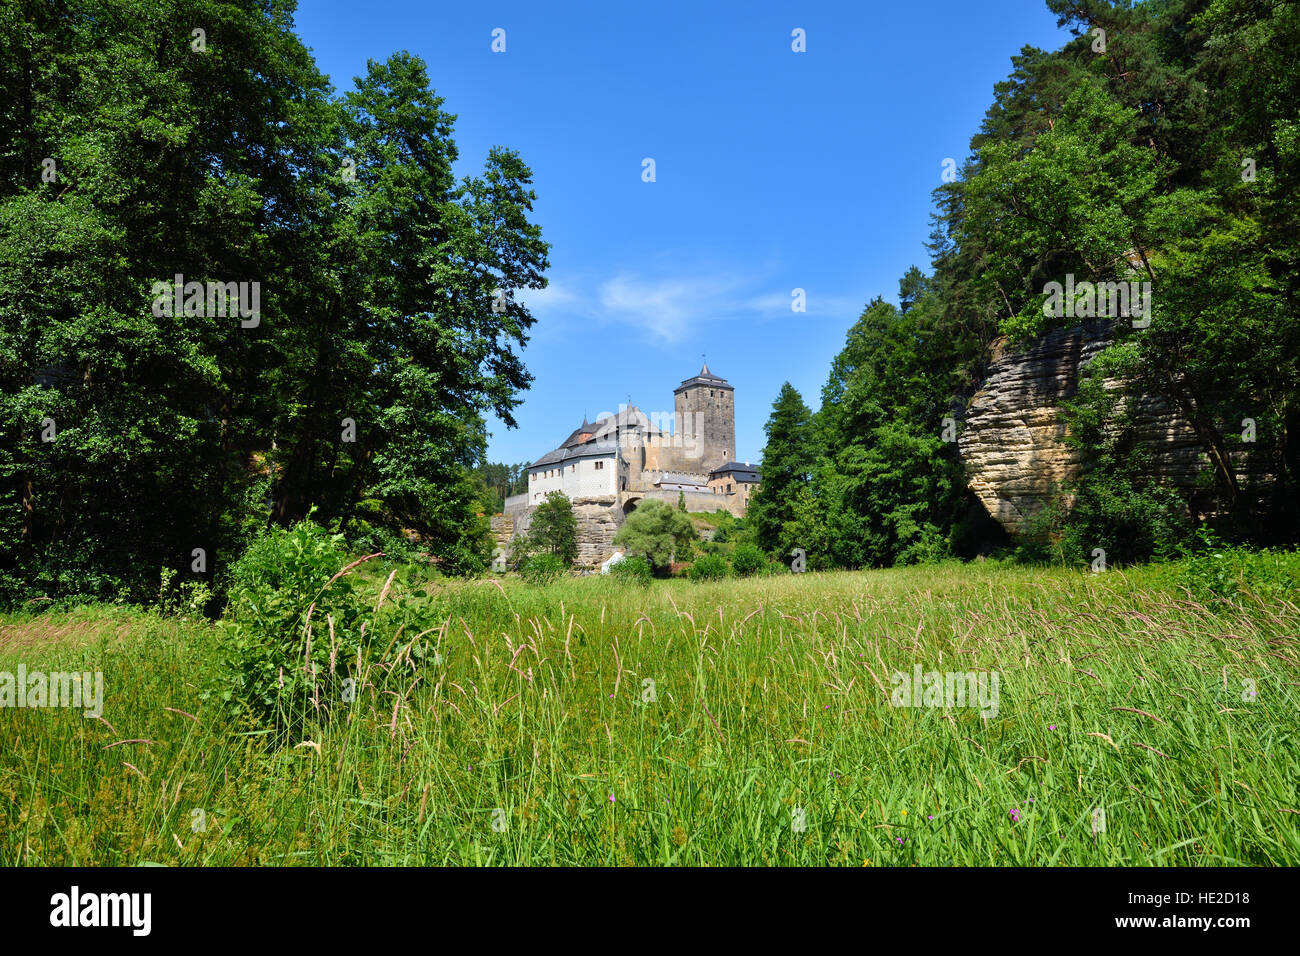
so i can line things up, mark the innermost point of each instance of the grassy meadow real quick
(534, 736)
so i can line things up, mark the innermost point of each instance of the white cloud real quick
(668, 309)
(553, 298)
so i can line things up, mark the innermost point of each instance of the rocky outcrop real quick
(598, 520)
(503, 529)
(1011, 444)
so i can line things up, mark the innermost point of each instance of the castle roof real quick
(705, 378)
(678, 478)
(575, 438)
(592, 449)
(741, 471)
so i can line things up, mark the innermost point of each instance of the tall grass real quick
(533, 738)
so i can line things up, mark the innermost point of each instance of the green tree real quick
(656, 531)
(787, 461)
(361, 388)
(554, 529)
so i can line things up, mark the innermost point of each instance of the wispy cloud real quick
(554, 298)
(667, 309)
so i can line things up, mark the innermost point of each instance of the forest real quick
(1162, 145)
(136, 149)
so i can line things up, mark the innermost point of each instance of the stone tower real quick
(706, 413)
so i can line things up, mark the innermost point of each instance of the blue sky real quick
(775, 170)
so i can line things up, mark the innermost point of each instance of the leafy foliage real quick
(747, 559)
(542, 569)
(633, 570)
(656, 531)
(709, 567)
(554, 529)
(377, 354)
(299, 641)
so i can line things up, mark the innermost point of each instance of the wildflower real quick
(611, 798)
(1015, 815)
(1051, 726)
(930, 816)
(904, 813)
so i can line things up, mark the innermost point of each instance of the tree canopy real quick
(136, 152)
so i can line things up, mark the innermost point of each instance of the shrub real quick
(267, 670)
(633, 570)
(656, 531)
(542, 569)
(1131, 523)
(710, 567)
(294, 644)
(747, 560)
(1215, 572)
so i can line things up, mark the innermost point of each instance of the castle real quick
(608, 466)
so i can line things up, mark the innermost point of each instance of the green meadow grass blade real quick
(765, 736)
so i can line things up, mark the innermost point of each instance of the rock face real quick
(1011, 444)
(598, 518)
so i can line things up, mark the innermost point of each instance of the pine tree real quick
(785, 468)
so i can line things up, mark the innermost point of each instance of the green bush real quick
(268, 671)
(656, 531)
(542, 569)
(633, 570)
(710, 567)
(747, 559)
(1132, 523)
(1215, 572)
(298, 640)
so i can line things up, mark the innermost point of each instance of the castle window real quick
(600, 465)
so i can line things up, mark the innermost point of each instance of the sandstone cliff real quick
(1010, 442)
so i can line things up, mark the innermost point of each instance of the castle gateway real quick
(608, 466)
